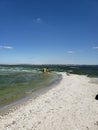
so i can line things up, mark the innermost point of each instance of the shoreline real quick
(69, 105)
(11, 106)
(94, 80)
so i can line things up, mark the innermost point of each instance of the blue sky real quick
(49, 31)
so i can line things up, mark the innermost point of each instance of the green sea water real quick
(17, 81)
(20, 81)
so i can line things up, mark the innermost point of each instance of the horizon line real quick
(48, 64)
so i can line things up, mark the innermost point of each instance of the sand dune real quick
(70, 105)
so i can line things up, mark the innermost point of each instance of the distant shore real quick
(69, 105)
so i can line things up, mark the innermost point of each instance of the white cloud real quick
(6, 47)
(96, 47)
(70, 52)
(37, 20)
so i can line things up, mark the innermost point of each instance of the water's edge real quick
(11, 106)
(94, 80)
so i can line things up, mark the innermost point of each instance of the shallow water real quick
(94, 80)
(17, 82)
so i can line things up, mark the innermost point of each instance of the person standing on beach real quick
(45, 70)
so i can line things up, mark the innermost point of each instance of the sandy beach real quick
(70, 105)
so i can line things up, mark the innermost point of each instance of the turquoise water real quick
(20, 81)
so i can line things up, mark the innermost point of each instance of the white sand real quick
(68, 106)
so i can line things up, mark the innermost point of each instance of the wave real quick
(17, 69)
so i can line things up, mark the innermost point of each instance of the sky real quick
(49, 32)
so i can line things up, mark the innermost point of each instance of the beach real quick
(69, 105)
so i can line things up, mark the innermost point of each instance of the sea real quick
(20, 81)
